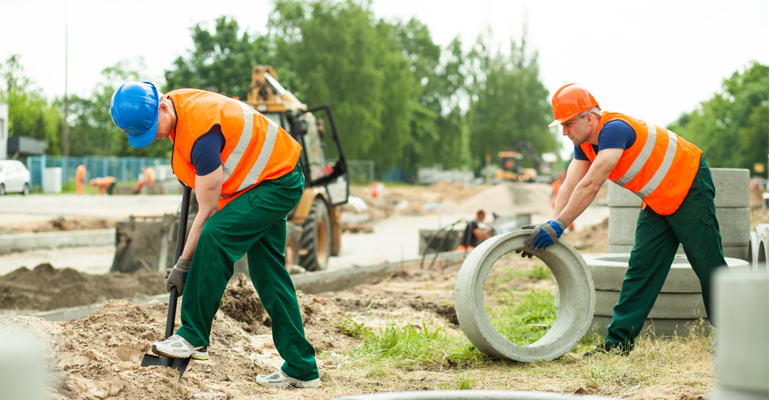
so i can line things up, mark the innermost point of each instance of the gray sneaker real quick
(280, 379)
(178, 347)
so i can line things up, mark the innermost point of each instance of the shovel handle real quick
(181, 237)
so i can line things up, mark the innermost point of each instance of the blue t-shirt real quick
(205, 152)
(615, 134)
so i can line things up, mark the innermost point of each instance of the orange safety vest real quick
(256, 148)
(659, 167)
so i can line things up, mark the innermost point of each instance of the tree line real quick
(398, 98)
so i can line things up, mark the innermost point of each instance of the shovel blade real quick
(179, 364)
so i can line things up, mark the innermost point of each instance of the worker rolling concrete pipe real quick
(667, 172)
(244, 169)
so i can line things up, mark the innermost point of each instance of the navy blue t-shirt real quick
(615, 134)
(205, 152)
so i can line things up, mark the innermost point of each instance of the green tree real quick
(508, 101)
(732, 127)
(30, 114)
(220, 62)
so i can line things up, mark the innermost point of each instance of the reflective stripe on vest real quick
(243, 145)
(641, 159)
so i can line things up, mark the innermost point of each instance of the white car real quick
(14, 177)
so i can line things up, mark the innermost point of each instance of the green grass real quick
(523, 319)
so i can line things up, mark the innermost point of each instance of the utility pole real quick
(65, 145)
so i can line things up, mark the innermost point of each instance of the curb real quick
(28, 241)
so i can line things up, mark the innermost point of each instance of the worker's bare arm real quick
(207, 191)
(585, 190)
(576, 171)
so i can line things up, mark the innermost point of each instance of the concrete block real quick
(732, 394)
(608, 271)
(739, 252)
(23, 372)
(667, 305)
(741, 312)
(26, 241)
(731, 184)
(576, 296)
(470, 395)
(734, 225)
(658, 327)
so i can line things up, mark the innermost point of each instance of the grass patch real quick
(523, 319)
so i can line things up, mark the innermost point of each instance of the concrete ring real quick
(470, 395)
(576, 299)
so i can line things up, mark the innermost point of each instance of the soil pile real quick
(47, 288)
(99, 356)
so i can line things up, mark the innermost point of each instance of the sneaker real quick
(178, 347)
(280, 379)
(201, 354)
(608, 348)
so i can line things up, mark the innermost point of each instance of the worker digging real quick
(667, 172)
(245, 171)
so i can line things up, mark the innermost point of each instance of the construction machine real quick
(511, 162)
(313, 227)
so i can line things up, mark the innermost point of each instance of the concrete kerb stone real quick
(741, 312)
(573, 317)
(27, 241)
(731, 184)
(734, 225)
(741, 252)
(470, 395)
(608, 271)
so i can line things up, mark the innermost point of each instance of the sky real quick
(649, 59)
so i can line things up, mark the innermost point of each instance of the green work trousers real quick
(695, 226)
(254, 223)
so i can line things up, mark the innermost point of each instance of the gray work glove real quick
(177, 276)
(544, 235)
(527, 242)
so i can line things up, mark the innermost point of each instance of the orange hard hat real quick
(569, 101)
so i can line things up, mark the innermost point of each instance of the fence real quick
(123, 169)
(360, 172)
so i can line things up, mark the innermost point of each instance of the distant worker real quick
(474, 234)
(148, 179)
(80, 176)
(667, 172)
(246, 175)
(105, 184)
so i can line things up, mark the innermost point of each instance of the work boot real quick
(606, 347)
(178, 347)
(280, 379)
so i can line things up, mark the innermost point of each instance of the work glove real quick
(177, 276)
(544, 235)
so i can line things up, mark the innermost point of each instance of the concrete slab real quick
(741, 312)
(470, 395)
(608, 271)
(667, 305)
(26, 241)
(576, 292)
(734, 225)
(731, 184)
(658, 327)
(739, 252)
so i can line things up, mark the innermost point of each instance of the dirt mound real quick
(48, 288)
(99, 356)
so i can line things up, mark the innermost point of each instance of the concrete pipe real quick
(659, 327)
(740, 252)
(608, 271)
(470, 395)
(731, 184)
(741, 312)
(667, 305)
(573, 317)
(761, 252)
(734, 225)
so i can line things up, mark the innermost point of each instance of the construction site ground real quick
(392, 334)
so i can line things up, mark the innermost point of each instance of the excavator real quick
(313, 227)
(510, 162)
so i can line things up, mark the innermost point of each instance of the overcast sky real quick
(649, 59)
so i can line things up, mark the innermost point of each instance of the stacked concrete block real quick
(678, 306)
(741, 312)
(732, 207)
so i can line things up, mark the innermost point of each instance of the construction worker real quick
(667, 172)
(80, 177)
(105, 184)
(474, 234)
(245, 172)
(148, 179)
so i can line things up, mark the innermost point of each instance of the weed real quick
(347, 326)
(465, 382)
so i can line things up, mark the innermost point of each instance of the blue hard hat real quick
(134, 109)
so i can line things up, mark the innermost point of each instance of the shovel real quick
(151, 359)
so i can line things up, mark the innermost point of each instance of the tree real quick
(220, 62)
(732, 127)
(30, 114)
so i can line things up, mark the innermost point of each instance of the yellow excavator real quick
(314, 226)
